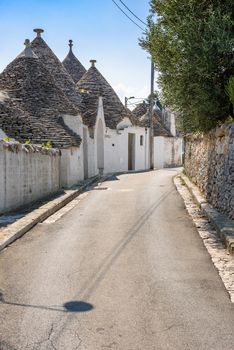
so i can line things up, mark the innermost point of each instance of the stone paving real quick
(222, 260)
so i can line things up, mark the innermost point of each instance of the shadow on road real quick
(70, 306)
(100, 272)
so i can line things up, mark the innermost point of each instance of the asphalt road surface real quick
(124, 269)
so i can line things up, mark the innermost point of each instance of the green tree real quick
(230, 93)
(192, 45)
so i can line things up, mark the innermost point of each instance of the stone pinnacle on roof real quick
(73, 65)
(93, 63)
(38, 31)
(28, 52)
(70, 44)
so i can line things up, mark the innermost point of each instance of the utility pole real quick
(151, 116)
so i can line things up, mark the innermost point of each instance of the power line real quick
(132, 12)
(127, 15)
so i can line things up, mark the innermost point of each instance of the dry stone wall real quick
(27, 173)
(209, 163)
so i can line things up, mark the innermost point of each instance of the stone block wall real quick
(209, 163)
(27, 173)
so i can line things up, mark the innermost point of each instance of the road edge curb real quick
(39, 215)
(222, 224)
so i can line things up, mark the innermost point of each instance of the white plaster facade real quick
(71, 166)
(168, 151)
(72, 163)
(116, 145)
(26, 176)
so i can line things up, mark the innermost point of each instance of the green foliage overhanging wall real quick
(192, 45)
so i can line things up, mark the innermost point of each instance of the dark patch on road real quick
(78, 306)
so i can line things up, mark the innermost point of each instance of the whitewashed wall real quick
(92, 163)
(72, 159)
(167, 151)
(116, 145)
(27, 173)
(71, 166)
(116, 149)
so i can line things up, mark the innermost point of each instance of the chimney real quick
(38, 31)
(92, 63)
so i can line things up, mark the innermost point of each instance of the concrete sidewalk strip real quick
(15, 230)
(223, 225)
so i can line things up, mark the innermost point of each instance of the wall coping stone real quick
(15, 147)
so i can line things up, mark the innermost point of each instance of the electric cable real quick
(127, 15)
(132, 13)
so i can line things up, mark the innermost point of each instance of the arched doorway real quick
(100, 147)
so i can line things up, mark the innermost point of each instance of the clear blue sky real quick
(99, 31)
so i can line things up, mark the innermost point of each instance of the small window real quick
(141, 140)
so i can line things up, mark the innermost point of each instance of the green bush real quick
(191, 43)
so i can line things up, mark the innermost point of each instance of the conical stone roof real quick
(142, 116)
(56, 68)
(140, 110)
(31, 89)
(73, 65)
(17, 124)
(28, 80)
(93, 85)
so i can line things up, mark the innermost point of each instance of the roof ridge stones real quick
(93, 85)
(56, 68)
(73, 66)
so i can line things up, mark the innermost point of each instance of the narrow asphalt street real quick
(124, 269)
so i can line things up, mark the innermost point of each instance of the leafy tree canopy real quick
(192, 45)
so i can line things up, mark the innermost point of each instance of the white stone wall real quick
(92, 164)
(71, 166)
(116, 146)
(75, 123)
(168, 151)
(27, 173)
(116, 149)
